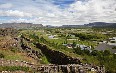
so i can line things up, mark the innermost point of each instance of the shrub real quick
(106, 52)
(114, 47)
(94, 53)
(1, 55)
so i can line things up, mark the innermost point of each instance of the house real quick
(51, 37)
(104, 46)
(69, 45)
(114, 38)
(112, 41)
(85, 47)
(78, 45)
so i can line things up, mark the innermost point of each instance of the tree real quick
(106, 53)
(114, 56)
(78, 50)
(114, 47)
(94, 53)
(74, 44)
(86, 51)
(1, 55)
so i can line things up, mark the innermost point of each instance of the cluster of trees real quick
(85, 36)
(81, 52)
(51, 44)
(97, 53)
(114, 47)
(34, 37)
(103, 57)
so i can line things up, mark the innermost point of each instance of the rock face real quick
(31, 52)
(53, 56)
(61, 63)
(4, 62)
(7, 42)
(70, 68)
(8, 31)
(56, 57)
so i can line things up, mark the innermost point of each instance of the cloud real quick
(94, 10)
(6, 5)
(47, 12)
(14, 13)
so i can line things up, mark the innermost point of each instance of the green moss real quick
(44, 60)
(14, 68)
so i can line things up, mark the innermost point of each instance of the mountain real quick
(72, 26)
(95, 24)
(20, 25)
(101, 24)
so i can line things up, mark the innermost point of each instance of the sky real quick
(58, 12)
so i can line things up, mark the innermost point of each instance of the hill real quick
(20, 25)
(101, 24)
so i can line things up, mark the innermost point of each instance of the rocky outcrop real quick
(53, 56)
(52, 68)
(70, 68)
(8, 42)
(4, 62)
(31, 52)
(8, 31)
(56, 57)
(61, 63)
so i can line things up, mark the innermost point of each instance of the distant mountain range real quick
(20, 25)
(72, 26)
(101, 24)
(95, 24)
(31, 25)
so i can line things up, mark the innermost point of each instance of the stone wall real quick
(31, 52)
(62, 63)
(4, 62)
(56, 57)
(52, 68)
(70, 68)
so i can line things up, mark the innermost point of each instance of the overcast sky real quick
(58, 12)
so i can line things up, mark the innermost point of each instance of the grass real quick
(59, 41)
(86, 58)
(31, 45)
(14, 68)
(44, 60)
(10, 55)
(90, 60)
